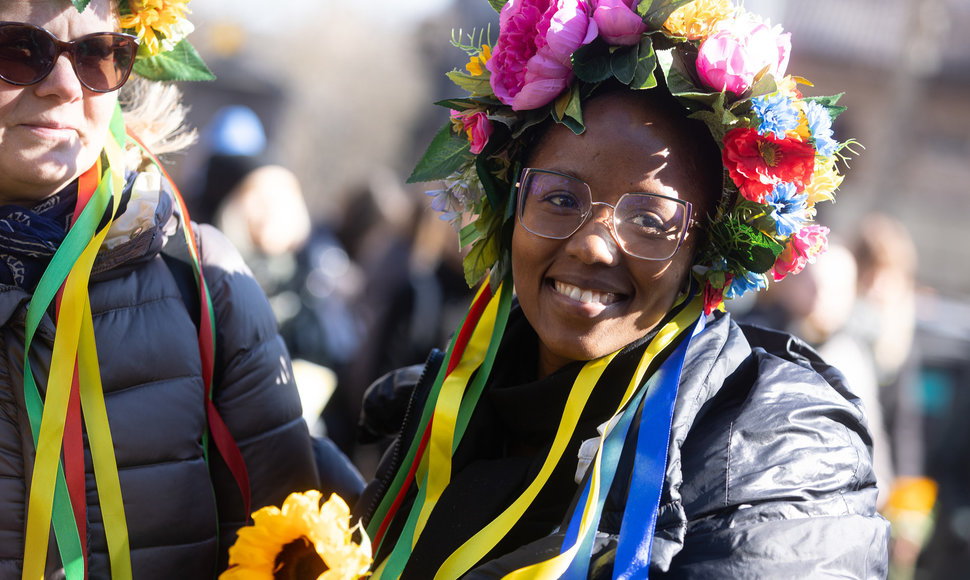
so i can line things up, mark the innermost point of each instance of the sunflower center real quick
(298, 560)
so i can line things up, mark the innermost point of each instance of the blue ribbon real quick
(640, 514)
(649, 470)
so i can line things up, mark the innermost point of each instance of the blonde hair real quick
(155, 113)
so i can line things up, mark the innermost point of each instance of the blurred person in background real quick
(174, 420)
(232, 145)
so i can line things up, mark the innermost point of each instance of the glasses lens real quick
(103, 61)
(26, 54)
(552, 205)
(650, 226)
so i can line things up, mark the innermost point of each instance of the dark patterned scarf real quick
(29, 237)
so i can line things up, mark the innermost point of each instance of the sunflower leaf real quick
(80, 4)
(182, 63)
(647, 62)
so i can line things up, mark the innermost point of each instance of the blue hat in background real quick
(235, 130)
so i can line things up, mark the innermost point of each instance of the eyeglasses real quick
(645, 225)
(102, 61)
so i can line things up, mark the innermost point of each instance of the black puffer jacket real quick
(151, 373)
(769, 470)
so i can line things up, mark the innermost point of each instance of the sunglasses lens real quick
(26, 54)
(103, 61)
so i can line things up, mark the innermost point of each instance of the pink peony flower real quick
(618, 22)
(531, 61)
(477, 126)
(730, 58)
(803, 248)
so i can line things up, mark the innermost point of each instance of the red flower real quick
(714, 295)
(759, 162)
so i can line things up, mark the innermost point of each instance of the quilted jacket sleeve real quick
(255, 391)
(778, 475)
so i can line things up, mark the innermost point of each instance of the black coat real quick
(769, 470)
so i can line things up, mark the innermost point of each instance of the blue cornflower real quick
(748, 282)
(820, 123)
(788, 208)
(777, 114)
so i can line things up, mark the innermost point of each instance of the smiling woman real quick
(116, 385)
(641, 163)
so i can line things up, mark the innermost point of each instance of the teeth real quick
(585, 296)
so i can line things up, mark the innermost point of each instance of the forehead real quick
(99, 15)
(626, 145)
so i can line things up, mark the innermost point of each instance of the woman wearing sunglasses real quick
(147, 405)
(625, 167)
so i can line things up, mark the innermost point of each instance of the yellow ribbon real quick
(554, 568)
(481, 543)
(437, 467)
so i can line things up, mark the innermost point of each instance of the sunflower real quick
(302, 540)
(159, 24)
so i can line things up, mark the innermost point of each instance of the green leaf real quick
(830, 104)
(764, 84)
(568, 110)
(592, 62)
(182, 63)
(623, 63)
(478, 86)
(498, 4)
(445, 155)
(80, 4)
(745, 248)
(656, 12)
(468, 234)
(644, 78)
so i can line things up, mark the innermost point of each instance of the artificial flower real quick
(698, 19)
(746, 282)
(462, 194)
(801, 249)
(714, 290)
(476, 64)
(825, 180)
(729, 59)
(476, 126)
(159, 24)
(788, 209)
(788, 86)
(757, 163)
(820, 123)
(532, 60)
(304, 539)
(777, 113)
(618, 22)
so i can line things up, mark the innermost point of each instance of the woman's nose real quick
(62, 81)
(593, 242)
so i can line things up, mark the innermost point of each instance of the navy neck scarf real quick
(29, 237)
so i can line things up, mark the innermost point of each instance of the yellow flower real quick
(825, 180)
(476, 66)
(302, 540)
(159, 24)
(698, 19)
(803, 132)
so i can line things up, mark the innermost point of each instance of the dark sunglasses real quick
(102, 61)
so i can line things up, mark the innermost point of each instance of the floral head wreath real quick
(161, 27)
(726, 66)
